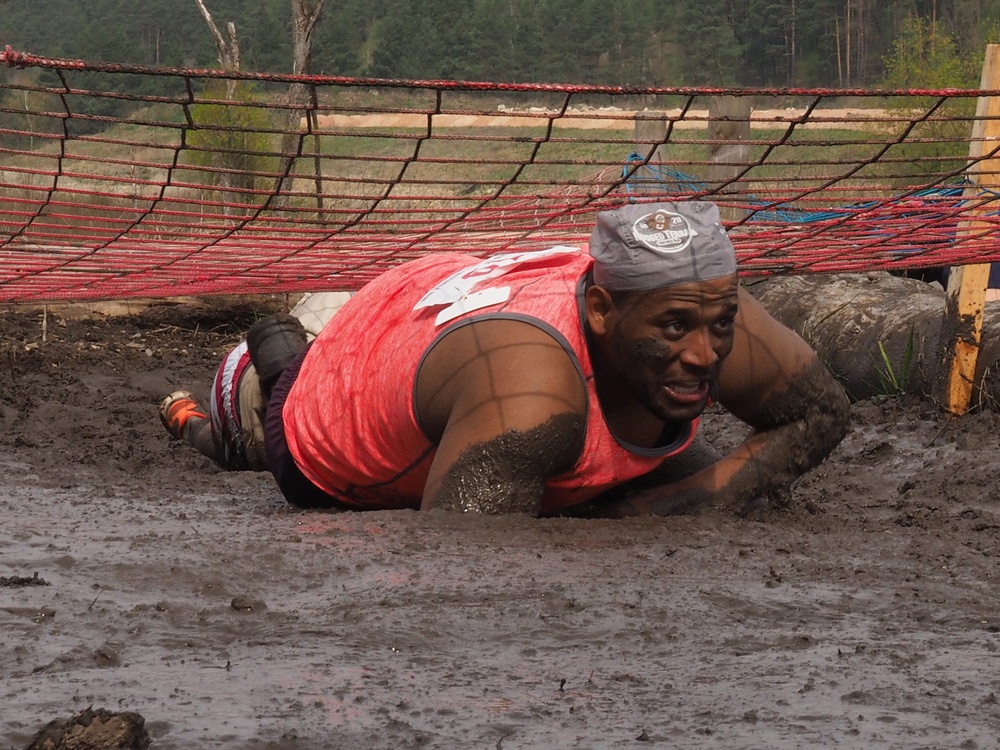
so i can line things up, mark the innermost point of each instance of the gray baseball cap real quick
(652, 245)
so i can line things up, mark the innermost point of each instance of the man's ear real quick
(599, 305)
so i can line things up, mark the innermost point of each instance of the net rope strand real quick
(218, 184)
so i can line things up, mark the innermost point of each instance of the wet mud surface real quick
(135, 578)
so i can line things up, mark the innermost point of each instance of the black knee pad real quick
(273, 342)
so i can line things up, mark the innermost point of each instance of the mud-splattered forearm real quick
(507, 474)
(793, 431)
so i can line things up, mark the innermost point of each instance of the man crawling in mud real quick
(551, 382)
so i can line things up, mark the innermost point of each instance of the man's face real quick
(664, 347)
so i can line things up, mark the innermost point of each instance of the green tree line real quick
(760, 43)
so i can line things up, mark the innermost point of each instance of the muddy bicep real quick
(507, 473)
(506, 385)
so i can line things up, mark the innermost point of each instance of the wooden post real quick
(650, 134)
(966, 296)
(728, 149)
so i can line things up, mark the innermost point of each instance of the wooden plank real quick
(966, 294)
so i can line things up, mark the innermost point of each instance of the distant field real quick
(364, 155)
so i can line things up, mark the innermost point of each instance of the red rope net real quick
(222, 183)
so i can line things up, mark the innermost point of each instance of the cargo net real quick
(124, 181)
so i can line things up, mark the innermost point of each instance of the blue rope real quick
(669, 180)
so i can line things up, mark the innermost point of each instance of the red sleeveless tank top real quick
(349, 418)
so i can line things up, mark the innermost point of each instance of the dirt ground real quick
(135, 577)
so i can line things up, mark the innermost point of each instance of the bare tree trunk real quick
(848, 28)
(229, 52)
(840, 62)
(862, 22)
(229, 59)
(792, 51)
(305, 15)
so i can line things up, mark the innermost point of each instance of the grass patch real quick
(895, 381)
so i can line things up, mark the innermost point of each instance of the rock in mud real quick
(93, 729)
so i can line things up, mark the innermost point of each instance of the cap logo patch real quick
(663, 232)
